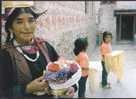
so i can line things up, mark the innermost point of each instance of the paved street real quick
(127, 87)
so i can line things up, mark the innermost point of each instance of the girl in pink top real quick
(82, 59)
(105, 48)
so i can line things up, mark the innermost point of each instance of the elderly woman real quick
(23, 59)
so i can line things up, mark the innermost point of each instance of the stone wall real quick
(107, 20)
(64, 22)
(126, 5)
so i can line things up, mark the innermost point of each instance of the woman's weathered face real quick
(23, 27)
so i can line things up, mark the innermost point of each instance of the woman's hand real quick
(69, 93)
(36, 85)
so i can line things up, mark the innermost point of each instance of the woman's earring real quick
(11, 35)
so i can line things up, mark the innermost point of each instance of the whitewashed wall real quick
(64, 22)
(107, 21)
(105, 15)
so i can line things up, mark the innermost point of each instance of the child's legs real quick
(104, 74)
(82, 86)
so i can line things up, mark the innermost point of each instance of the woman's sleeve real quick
(8, 86)
(52, 52)
(6, 73)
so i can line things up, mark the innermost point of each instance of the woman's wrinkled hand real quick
(36, 85)
(69, 93)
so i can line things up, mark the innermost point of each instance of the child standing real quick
(82, 59)
(105, 48)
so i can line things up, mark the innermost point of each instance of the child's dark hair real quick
(105, 34)
(80, 44)
(10, 19)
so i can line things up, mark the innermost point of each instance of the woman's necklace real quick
(25, 55)
(28, 58)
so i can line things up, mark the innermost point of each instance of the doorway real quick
(126, 27)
